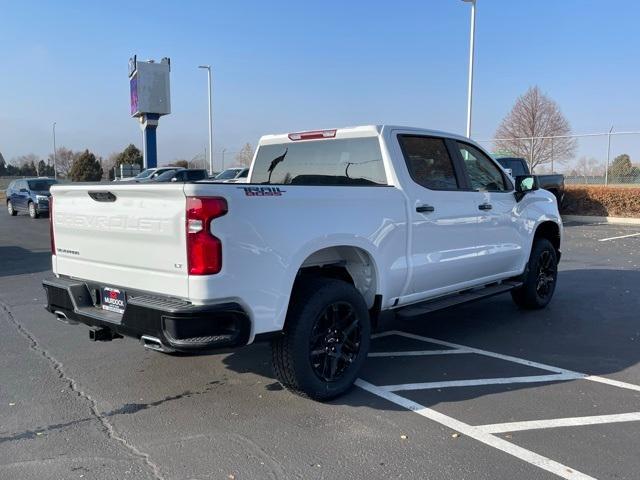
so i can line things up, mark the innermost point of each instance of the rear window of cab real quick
(348, 161)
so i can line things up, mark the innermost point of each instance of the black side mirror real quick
(24, 190)
(525, 184)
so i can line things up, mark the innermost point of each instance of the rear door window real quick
(348, 161)
(429, 162)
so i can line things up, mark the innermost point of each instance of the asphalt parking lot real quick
(483, 391)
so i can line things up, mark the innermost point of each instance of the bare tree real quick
(536, 115)
(587, 167)
(245, 156)
(198, 161)
(64, 160)
(179, 163)
(108, 164)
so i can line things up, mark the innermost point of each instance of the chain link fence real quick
(606, 158)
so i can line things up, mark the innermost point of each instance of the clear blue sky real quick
(286, 66)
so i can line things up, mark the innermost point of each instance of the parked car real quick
(148, 174)
(181, 175)
(233, 175)
(518, 166)
(29, 195)
(334, 227)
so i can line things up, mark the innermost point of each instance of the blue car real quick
(29, 195)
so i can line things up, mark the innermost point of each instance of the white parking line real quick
(621, 236)
(477, 434)
(415, 353)
(521, 361)
(556, 377)
(485, 433)
(612, 382)
(479, 351)
(560, 422)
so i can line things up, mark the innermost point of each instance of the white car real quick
(148, 174)
(334, 227)
(233, 175)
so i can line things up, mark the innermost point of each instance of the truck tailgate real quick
(128, 236)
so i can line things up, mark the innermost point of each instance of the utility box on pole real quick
(150, 99)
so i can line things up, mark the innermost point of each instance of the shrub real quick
(602, 201)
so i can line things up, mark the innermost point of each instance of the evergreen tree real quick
(86, 168)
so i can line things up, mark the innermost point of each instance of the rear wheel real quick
(33, 212)
(540, 277)
(325, 341)
(12, 211)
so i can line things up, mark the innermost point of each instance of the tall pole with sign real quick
(150, 99)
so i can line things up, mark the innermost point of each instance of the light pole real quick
(471, 51)
(208, 68)
(55, 170)
(224, 150)
(606, 170)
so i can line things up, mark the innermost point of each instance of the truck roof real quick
(352, 132)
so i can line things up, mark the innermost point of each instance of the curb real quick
(594, 219)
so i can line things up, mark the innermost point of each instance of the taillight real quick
(314, 135)
(52, 239)
(204, 250)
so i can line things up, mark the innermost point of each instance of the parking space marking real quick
(612, 382)
(556, 377)
(486, 433)
(621, 236)
(416, 353)
(476, 433)
(486, 353)
(509, 358)
(560, 422)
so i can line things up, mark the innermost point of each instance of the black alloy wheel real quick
(335, 341)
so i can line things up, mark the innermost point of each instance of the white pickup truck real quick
(333, 227)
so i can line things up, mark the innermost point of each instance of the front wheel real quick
(33, 212)
(326, 339)
(12, 211)
(540, 277)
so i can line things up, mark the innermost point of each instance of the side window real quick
(429, 162)
(483, 173)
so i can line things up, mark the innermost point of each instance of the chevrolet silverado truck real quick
(553, 182)
(334, 227)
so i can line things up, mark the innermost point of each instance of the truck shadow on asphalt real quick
(592, 326)
(19, 261)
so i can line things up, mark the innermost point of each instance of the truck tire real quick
(12, 211)
(326, 339)
(539, 278)
(33, 211)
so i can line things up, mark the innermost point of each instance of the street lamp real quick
(208, 68)
(55, 170)
(471, 49)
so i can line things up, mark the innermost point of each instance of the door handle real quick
(485, 206)
(424, 209)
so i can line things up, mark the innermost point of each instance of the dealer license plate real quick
(113, 300)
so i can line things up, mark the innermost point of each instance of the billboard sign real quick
(149, 87)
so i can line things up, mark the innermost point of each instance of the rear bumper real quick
(177, 324)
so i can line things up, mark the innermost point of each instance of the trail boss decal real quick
(262, 191)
